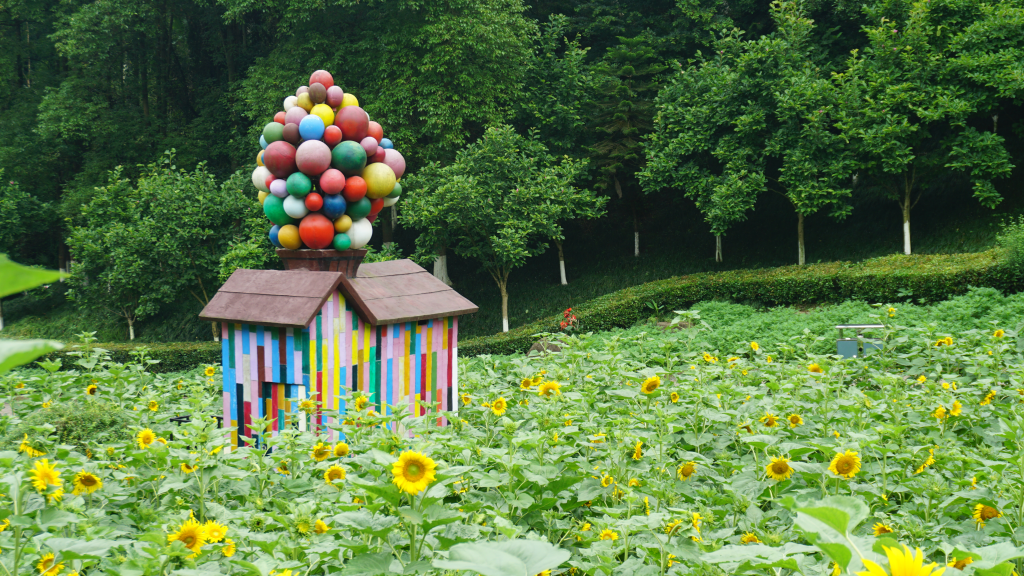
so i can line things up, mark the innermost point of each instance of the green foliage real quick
(15, 278)
(22, 216)
(76, 422)
(168, 357)
(1011, 240)
(389, 251)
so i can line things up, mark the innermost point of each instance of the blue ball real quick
(273, 236)
(263, 142)
(334, 206)
(385, 143)
(311, 127)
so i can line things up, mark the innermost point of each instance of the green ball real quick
(359, 210)
(273, 132)
(397, 191)
(299, 185)
(349, 157)
(341, 242)
(273, 207)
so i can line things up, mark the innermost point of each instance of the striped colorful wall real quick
(268, 371)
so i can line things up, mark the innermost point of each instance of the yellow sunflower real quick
(902, 563)
(229, 548)
(282, 468)
(939, 413)
(86, 482)
(210, 371)
(43, 475)
(988, 398)
(674, 397)
(607, 481)
(91, 389)
(779, 469)
(963, 562)
(144, 438)
(526, 384)
(361, 403)
(650, 385)
(957, 408)
(28, 449)
(696, 520)
(637, 450)
(214, 532)
(321, 452)
(922, 379)
(607, 534)
(466, 399)
(4, 525)
(499, 406)
(983, 513)
(686, 470)
(188, 468)
(998, 333)
(878, 529)
(320, 527)
(414, 471)
(341, 450)
(634, 483)
(795, 420)
(307, 406)
(191, 534)
(549, 388)
(47, 567)
(671, 526)
(769, 420)
(845, 464)
(750, 538)
(754, 346)
(334, 473)
(814, 368)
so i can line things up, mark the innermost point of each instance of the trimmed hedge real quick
(894, 278)
(173, 356)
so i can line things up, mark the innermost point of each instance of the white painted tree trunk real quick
(800, 239)
(906, 236)
(131, 330)
(216, 332)
(636, 244)
(561, 263)
(504, 307)
(718, 248)
(441, 268)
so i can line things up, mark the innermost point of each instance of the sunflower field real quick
(639, 451)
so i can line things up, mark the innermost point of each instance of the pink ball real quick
(394, 159)
(332, 181)
(313, 157)
(334, 96)
(378, 156)
(323, 77)
(294, 115)
(302, 90)
(279, 158)
(370, 145)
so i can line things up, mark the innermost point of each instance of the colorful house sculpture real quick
(389, 330)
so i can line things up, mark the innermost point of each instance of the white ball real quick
(295, 207)
(360, 233)
(259, 178)
(390, 201)
(290, 102)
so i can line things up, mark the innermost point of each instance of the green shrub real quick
(171, 356)
(1011, 240)
(77, 423)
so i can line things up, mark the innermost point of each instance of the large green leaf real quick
(16, 278)
(509, 558)
(74, 549)
(14, 353)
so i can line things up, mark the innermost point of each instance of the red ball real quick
(332, 181)
(378, 157)
(316, 231)
(376, 130)
(322, 76)
(332, 136)
(279, 158)
(270, 179)
(279, 117)
(375, 206)
(355, 189)
(353, 122)
(315, 202)
(371, 218)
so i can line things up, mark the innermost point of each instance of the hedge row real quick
(886, 279)
(172, 356)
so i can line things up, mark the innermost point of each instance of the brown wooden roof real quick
(381, 293)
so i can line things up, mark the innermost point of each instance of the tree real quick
(493, 204)
(910, 107)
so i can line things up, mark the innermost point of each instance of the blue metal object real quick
(852, 347)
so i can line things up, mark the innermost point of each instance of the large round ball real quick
(316, 231)
(380, 180)
(359, 209)
(279, 187)
(314, 202)
(376, 206)
(342, 223)
(375, 130)
(321, 77)
(299, 185)
(295, 115)
(273, 132)
(305, 102)
(360, 233)
(353, 122)
(311, 128)
(291, 133)
(332, 135)
(372, 218)
(334, 206)
(289, 238)
(259, 178)
(274, 231)
(396, 191)
(355, 189)
(389, 201)
(332, 181)
(279, 117)
(279, 157)
(341, 242)
(261, 196)
(290, 102)
(324, 112)
(273, 207)
(386, 143)
(395, 160)
(294, 207)
(370, 145)
(349, 100)
(348, 156)
(263, 142)
(317, 93)
(334, 96)
(313, 157)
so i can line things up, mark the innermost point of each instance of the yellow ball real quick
(304, 102)
(324, 112)
(380, 180)
(288, 236)
(343, 224)
(349, 100)
(259, 158)
(262, 196)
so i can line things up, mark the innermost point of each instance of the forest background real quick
(722, 134)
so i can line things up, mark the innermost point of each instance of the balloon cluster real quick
(325, 169)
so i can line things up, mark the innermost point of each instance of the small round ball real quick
(389, 201)
(334, 206)
(279, 157)
(274, 231)
(290, 102)
(321, 77)
(353, 122)
(342, 223)
(261, 196)
(324, 112)
(263, 142)
(349, 100)
(334, 96)
(375, 130)
(314, 202)
(359, 209)
(288, 237)
(385, 143)
(279, 117)
(378, 156)
(311, 127)
(360, 233)
(294, 207)
(259, 158)
(396, 191)
(355, 189)
(317, 93)
(380, 180)
(273, 132)
(395, 160)
(313, 157)
(370, 145)
(305, 102)
(301, 90)
(295, 115)
(341, 242)
(332, 181)
(279, 187)
(349, 157)
(291, 133)
(316, 231)
(259, 178)
(332, 135)
(298, 185)
(376, 206)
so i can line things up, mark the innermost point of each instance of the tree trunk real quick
(131, 328)
(561, 263)
(216, 333)
(441, 266)
(143, 77)
(503, 286)
(28, 53)
(800, 238)
(906, 222)
(387, 227)
(718, 248)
